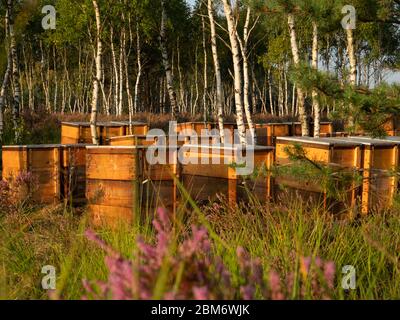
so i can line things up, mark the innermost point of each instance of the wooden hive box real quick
(139, 140)
(213, 174)
(198, 127)
(121, 184)
(73, 173)
(228, 127)
(336, 153)
(43, 162)
(326, 129)
(138, 128)
(379, 159)
(266, 133)
(79, 132)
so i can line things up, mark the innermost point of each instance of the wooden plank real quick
(111, 166)
(111, 216)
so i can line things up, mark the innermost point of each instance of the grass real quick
(279, 237)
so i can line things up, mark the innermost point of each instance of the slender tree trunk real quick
(121, 71)
(139, 66)
(96, 81)
(296, 60)
(220, 92)
(4, 86)
(116, 76)
(166, 63)
(237, 70)
(15, 70)
(6, 79)
(205, 73)
(182, 102)
(196, 76)
(316, 106)
(246, 76)
(271, 99)
(353, 68)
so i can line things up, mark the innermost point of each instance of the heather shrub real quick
(188, 267)
(16, 193)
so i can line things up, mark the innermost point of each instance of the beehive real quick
(80, 132)
(141, 140)
(42, 162)
(326, 129)
(266, 133)
(336, 153)
(73, 173)
(138, 128)
(229, 131)
(211, 172)
(121, 183)
(198, 127)
(379, 159)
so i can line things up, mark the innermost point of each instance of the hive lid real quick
(110, 124)
(228, 147)
(126, 122)
(33, 146)
(367, 141)
(320, 141)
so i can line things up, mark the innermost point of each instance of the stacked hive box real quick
(198, 127)
(379, 159)
(42, 162)
(142, 140)
(267, 133)
(133, 128)
(73, 173)
(229, 131)
(326, 129)
(326, 151)
(79, 132)
(121, 183)
(209, 171)
(58, 170)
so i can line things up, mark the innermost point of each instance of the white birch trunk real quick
(237, 70)
(246, 77)
(166, 63)
(97, 79)
(316, 106)
(205, 74)
(353, 67)
(5, 82)
(15, 71)
(139, 74)
(296, 60)
(214, 49)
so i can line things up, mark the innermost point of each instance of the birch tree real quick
(237, 69)
(353, 69)
(15, 69)
(217, 69)
(316, 106)
(296, 60)
(166, 63)
(98, 76)
(246, 72)
(6, 78)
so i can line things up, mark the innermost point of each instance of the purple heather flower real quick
(201, 293)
